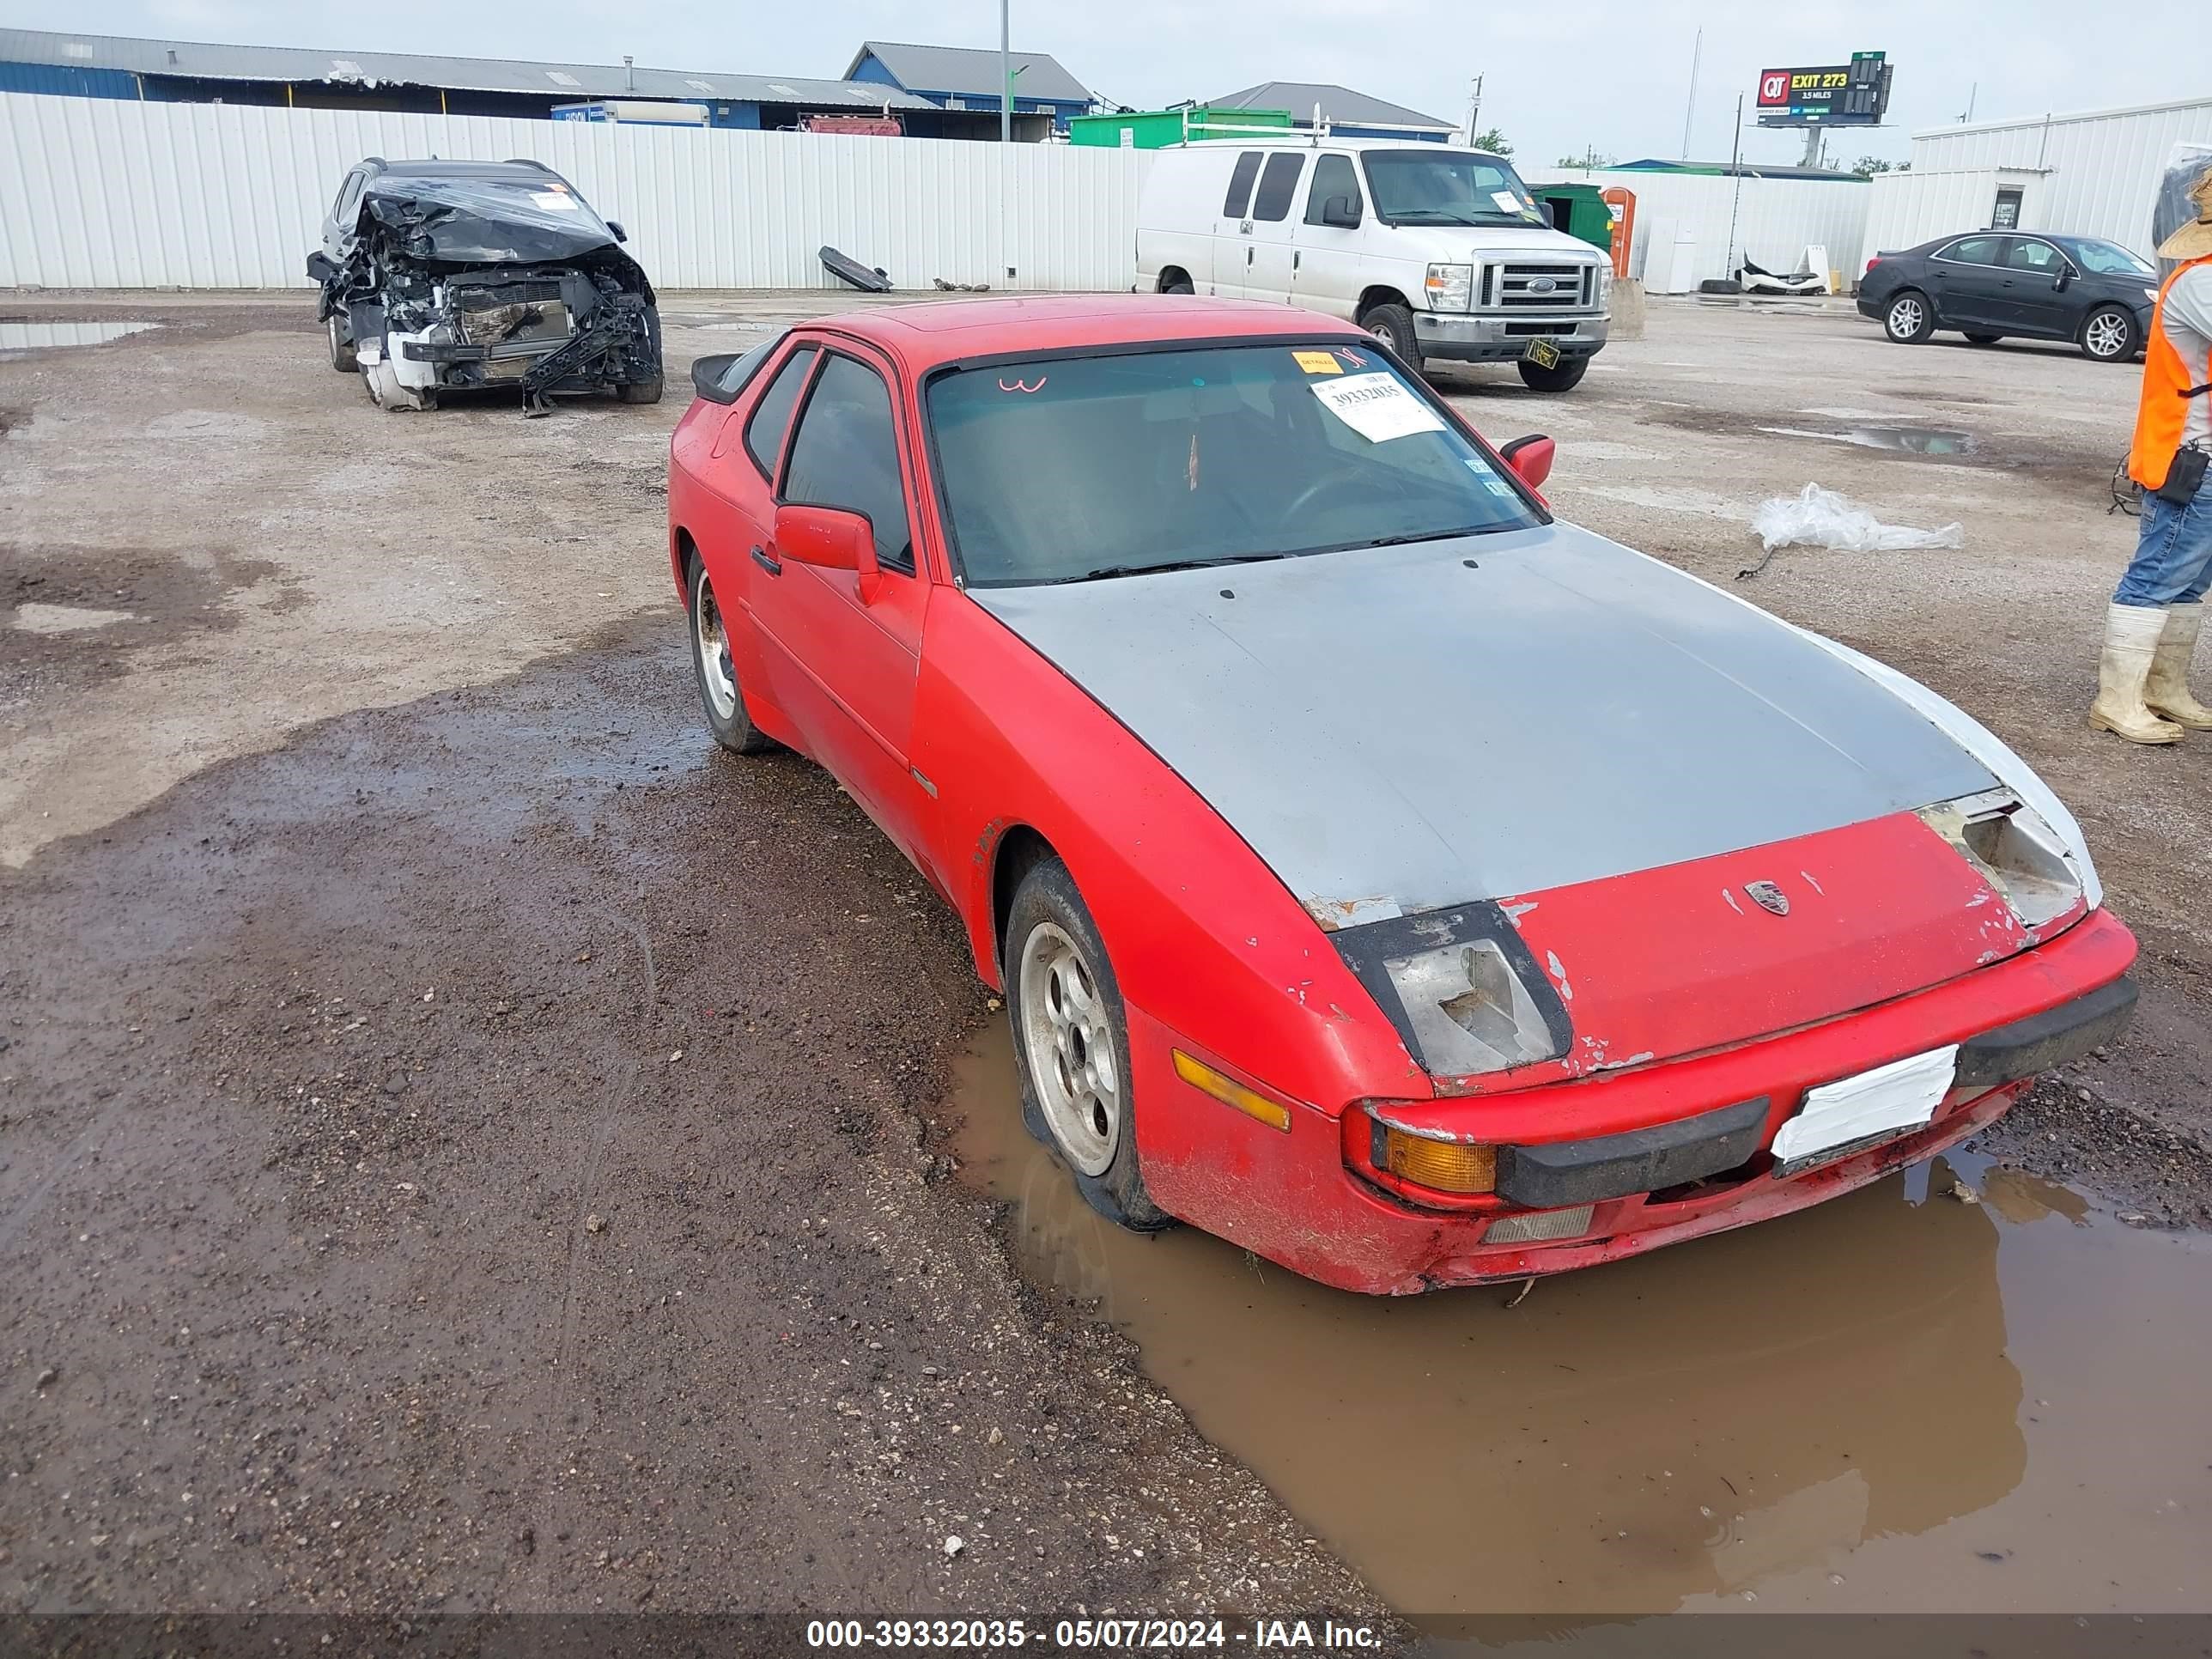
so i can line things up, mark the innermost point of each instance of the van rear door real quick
(1272, 253)
(1233, 231)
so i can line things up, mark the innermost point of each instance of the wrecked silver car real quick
(442, 276)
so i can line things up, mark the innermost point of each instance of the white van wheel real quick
(1393, 324)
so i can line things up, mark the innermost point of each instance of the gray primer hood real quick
(1392, 731)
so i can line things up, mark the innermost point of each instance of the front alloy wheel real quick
(1071, 1050)
(2109, 335)
(1071, 1045)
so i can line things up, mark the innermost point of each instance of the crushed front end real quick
(453, 285)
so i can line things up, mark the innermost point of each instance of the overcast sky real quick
(1614, 74)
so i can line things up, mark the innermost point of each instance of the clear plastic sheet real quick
(1821, 518)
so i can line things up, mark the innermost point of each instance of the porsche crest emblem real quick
(1768, 897)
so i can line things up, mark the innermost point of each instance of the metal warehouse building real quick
(2094, 173)
(184, 71)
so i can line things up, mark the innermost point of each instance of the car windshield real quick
(1077, 469)
(2111, 259)
(1427, 186)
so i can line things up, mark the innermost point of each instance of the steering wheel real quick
(1303, 501)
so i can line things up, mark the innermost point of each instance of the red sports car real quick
(1382, 874)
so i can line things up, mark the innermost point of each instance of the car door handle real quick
(767, 561)
(1247, 255)
(1295, 258)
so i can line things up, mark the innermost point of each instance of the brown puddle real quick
(1896, 1401)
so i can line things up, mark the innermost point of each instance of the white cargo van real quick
(1438, 249)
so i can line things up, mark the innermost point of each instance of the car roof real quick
(926, 335)
(517, 171)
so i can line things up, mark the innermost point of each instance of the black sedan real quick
(1990, 284)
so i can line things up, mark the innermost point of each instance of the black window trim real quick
(771, 473)
(824, 350)
(1362, 339)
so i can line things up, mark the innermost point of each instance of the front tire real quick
(1909, 319)
(342, 356)
(1393, 324)
(2110, 335)
(1563, 376)
(1071, 1045)
(640, 391)
(716, 675)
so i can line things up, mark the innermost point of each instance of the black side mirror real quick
(1545, 208)
(2065, 278)
(707, 374)
(320, 268)
(621, 235)
(1340, 212)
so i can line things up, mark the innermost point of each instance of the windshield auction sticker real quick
(1318, 363)
(1377, 406)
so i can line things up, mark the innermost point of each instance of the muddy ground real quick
(463, 1144)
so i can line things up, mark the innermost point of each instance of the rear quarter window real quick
(771, 417)
(1240, 184)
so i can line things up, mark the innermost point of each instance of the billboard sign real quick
(1856, 94)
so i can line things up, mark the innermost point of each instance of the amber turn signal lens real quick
(1231, 1093)
(1442, 1166)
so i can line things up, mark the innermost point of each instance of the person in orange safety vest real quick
(2153, 621)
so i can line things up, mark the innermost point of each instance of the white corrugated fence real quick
(106, 193)
(2102, 167)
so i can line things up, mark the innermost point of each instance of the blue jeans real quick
(2173, 554)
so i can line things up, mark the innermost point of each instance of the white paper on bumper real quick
(1902, 1095)
(1378, 407)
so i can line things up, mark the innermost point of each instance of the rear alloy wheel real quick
(717, 676)
(342, 352)
(1910, 319)
(1071, 1045)
(2109, 336)
(1393, 324)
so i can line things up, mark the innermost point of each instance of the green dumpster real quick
(1579, 211)
(1155, 129)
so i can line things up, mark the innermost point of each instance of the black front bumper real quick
(1561, 1174)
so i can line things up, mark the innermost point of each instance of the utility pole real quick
(1473, 111)
(1736, 166)
(1690, 110)
(1006, 72)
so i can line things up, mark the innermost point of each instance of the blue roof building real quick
(966, 78)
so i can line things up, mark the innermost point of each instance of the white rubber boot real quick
(2166, 691)
(2132, 634)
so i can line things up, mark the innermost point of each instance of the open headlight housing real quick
(2017, 852)
(1462, 989)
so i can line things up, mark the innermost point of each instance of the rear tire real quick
(1909, 319)
(1393, 324)
(1563, 376)
(1176, 283)
(1983, 339)
(716, 675)
(342, 357)
(2110, 336)
(641, 391)
(1071, 1045)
